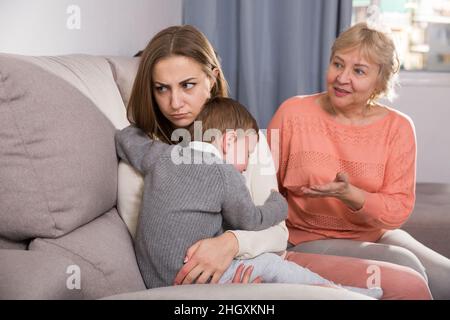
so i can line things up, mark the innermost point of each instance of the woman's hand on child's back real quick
(208, 259)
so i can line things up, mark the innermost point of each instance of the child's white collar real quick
(205, 147)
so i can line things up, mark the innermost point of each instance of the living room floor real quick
(431, 217)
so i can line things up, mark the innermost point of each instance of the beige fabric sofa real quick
(66, 205)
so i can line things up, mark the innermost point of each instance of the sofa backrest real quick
(58, 165)
(130, 181)
(124, 70)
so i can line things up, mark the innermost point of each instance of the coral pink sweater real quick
(379, 158)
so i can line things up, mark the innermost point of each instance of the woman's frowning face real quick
(180, 87)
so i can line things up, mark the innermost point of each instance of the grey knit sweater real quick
(184, 203)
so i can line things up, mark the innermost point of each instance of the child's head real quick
(231, 128)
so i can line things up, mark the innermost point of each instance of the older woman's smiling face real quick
(351, 80)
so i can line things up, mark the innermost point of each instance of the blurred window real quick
(421, 30)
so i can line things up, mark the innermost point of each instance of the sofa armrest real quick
(263, 291)
(34, 275)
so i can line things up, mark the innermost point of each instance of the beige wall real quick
(425, 97)
(111, 27)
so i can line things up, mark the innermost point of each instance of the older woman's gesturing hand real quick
(340, 189)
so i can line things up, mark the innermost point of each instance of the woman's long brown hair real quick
(187, 41)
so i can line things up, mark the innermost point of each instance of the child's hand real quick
(245, 278)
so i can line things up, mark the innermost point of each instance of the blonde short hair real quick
(376, 46)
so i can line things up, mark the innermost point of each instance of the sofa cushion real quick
(92, 76)
(35, 275)
(103, 251)
(124, 70)
(262, 291)
(58, 165)
(129, 197)
(130, 182)
(15, 245)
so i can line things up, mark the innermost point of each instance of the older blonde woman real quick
(347, 164)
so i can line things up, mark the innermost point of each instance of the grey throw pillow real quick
(58, 165)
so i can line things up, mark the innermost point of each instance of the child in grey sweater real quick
(196, 191)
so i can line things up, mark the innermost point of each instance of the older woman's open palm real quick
(340, 189)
